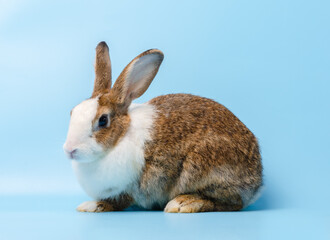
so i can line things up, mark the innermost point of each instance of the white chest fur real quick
(113, 174)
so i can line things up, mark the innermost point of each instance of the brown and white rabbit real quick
(177, 152)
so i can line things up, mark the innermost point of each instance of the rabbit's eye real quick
(103, 120)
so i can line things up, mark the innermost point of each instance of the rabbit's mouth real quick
(72, 154)
(83, 153)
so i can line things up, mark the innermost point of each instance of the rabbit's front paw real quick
(95, 206)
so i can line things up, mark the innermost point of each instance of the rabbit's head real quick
(98, 123)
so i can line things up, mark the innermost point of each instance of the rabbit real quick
(179, 153)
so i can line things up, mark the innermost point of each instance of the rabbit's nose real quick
(70, 151)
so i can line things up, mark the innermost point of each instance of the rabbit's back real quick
(198, 145)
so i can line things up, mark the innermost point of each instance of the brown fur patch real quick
(199, 147)
(119, 122)
(120, 203)
(102, 69)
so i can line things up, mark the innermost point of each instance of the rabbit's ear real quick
(102, 69)
(135, 79)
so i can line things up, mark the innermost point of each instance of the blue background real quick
(267, 61)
